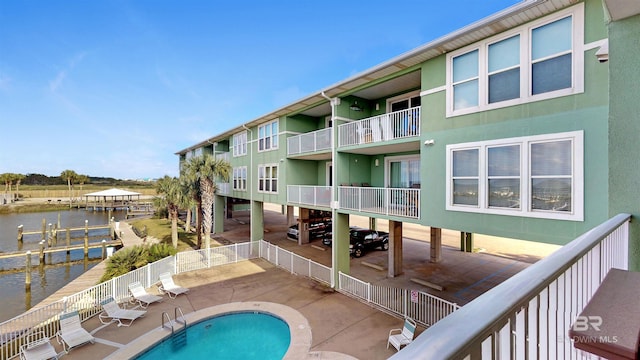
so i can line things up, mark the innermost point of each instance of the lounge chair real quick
(111, 310)
(404, 336)
(38, 347)
(169, 287)
(141, 296)
(71, 333)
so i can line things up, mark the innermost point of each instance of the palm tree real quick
(18, 179)
(171, 196)
(199, 173)
(70, 176)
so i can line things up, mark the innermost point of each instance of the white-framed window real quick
(240, 143)
(535, 176)
(268, 136)
(240, 178)
(268, 178)
(536, 61)
(402, 171)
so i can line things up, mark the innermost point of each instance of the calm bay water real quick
(59, 268)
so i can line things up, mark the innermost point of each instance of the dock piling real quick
(68, 239)
(104, 249)
(27, 278)
(41, 251)
(20, 233)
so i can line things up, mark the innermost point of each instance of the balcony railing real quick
(385, 127)
(309, 142)
(223, 156)
(223, 188)
(387, 201)
(309, 195)
(529, 315)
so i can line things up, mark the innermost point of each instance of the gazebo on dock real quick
(111, 198)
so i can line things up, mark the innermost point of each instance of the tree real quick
(200, 173)
(70, 176)
(171, 196)
(18, 179)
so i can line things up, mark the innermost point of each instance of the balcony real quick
(223, 156)
(309, 195)
(386, 127)
(400, 202)
(529, 315)
(310, 142)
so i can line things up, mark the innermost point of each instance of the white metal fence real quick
(387, 201)
(309, 195)
(528, 316)
(294, 263)
(424, 308)
(319, 140)
(385, 127)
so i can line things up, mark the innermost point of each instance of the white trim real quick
(434, 90)
(234, 146)
(273, 145)
(328, 165)
(240, 178)
(595, 44)
(577, 14)
(577, 176)
(277, 178)
(405, 96)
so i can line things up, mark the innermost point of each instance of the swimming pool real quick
(243, 335)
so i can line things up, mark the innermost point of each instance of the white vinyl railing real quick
(309, 195)
(223, 156)
(294, 263)
(385, 127)
(424, 308)
(223, 188)
(386, 201)
(528, 316)
(314, 141)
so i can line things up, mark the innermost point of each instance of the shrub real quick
(135, 257)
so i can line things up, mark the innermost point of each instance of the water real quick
(242, 336)
(47, 279)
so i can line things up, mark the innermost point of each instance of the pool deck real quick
(341, 327)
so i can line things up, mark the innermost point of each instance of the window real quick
(268, 136)
(240, 178)
(268, 178)
(240, 144)
(529, 63)
(403, 171)
(537, 176)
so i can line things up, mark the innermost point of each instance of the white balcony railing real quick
(387, 201)
(223, 188)
(309, 142)
(223, 156)
(529, 315)
(385, 127)
(309, 195)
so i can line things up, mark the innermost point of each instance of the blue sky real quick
(116, 88)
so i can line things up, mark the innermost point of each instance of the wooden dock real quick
(55, 249)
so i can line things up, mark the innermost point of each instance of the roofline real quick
(440, 42)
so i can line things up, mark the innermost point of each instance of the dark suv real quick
(316, 230)
(367, 239)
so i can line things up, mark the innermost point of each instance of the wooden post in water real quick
(86, 245)
(86, 228)
(49, 237)
(27, 277)
(68, 240)
(44, 227)
(104, 249)
(20, 233)
(42, 251)
(59, 227)
(55, 235)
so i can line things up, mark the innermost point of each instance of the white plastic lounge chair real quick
(111, 310)
(38, 347)
(169, 287)
(71, 333)
(141, 296)
(404, 336)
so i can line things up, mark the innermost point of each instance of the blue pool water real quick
(244, 336)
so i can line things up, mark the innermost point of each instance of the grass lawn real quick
(161, 229)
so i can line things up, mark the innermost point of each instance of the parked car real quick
(361, 240)
(327, 238)
(316, 230)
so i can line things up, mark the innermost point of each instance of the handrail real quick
(483, 316)
(164, 313)
(175, 316)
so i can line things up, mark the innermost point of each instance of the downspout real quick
(334, 177)
(250, 176)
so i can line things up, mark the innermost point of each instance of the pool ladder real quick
(175, 318)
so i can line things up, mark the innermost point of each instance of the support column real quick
(303, 226)
(340, 257)
(218, 214)
(436, 244)
(290, 216)
(466, 241)
(256, 224)
(229, 200)
(373, 223)
(395, 249)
